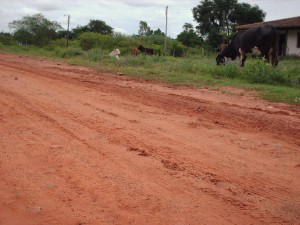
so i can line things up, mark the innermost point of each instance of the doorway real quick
(282, 44)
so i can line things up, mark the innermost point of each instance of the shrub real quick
(88, 40)
(6, 39)
(178, 49)
(69, 52)
(259, 72)
(62, 42)
(105, 41)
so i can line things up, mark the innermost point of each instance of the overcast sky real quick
(124, 15)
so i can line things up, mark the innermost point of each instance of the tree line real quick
(215, 19)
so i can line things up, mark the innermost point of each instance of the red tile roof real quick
(289, 23)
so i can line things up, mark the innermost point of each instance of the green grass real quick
(280, 85)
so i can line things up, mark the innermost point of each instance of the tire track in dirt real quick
(162, 153)
(233, 117)
(74, 182)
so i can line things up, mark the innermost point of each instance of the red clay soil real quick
(82, 147)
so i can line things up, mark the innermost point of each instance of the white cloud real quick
(125, 15)
(122, 31)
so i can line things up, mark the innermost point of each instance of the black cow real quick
(264, 38)
(147, 51)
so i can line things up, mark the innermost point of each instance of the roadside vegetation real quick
(187, 60)
(197, 69)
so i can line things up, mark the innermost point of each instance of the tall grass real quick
(258, 72)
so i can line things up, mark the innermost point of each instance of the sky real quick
(124, 15)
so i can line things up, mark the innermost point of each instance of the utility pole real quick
(68, 30)
(165, 46)
(223, 21)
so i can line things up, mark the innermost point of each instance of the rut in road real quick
(87, 147)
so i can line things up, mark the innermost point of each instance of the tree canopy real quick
(244, 13)
(36, 30)
(96, 26)
(144, 29)
(221, 16)
(99, 26)
(189, 37)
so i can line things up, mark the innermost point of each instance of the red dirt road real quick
(80, 147)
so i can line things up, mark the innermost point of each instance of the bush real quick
(178, 49)
(69, 52)
(88, 40)
(259, 72)
(62, 42)
(105, 41)
(7, 39)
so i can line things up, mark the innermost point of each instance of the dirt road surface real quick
(82, 147)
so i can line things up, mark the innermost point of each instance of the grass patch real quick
(69, 52)
(280, 85)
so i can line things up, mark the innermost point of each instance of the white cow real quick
(115, 53)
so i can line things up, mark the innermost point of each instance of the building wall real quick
(292, 48)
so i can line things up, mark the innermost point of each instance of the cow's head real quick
(220, 59)
(141, 48)
(229, 51)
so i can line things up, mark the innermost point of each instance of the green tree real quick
(244, 14)
(144, 29)
(95, 26)
(217, 16)
(76, 32)
(99, 26)
(6, 39)
(158, 32)
(36, 30)
(189, 37)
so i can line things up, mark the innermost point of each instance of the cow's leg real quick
(266, 54)
(267, 58)
(274, 55)
(243, 57)
(274, 59)
(270, 53)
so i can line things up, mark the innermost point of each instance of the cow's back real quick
(267, 37)
(261, 37)
(248, 39)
